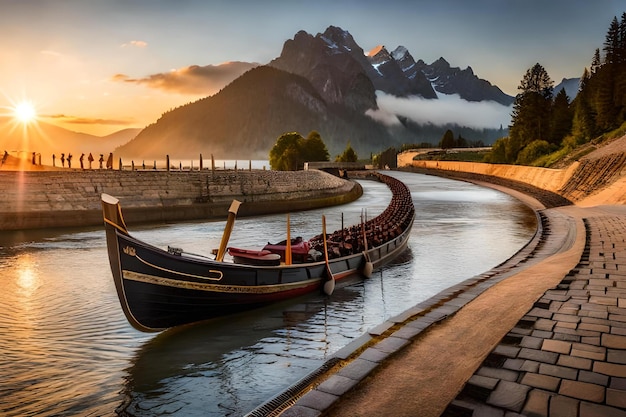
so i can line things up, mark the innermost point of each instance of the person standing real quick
(90, 159)
(82, 156)
(101, 160)
(63, 160)
(110, 161)
(69, 160)
(54, 159)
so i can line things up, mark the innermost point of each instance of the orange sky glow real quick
(99, 67)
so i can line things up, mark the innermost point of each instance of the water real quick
(66, 348)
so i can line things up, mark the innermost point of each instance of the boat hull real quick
(158, 289)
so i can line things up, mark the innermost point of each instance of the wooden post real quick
(232, 213)
(288, 254)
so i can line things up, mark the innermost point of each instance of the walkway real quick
(567, 355)
(544, 334)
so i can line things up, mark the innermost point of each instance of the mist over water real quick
(66, 348)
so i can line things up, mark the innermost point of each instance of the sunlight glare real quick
(25, 112)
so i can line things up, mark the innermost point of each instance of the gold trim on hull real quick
(232, 289)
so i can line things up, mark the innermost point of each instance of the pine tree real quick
(561, 121)
(447, 141)
(620, 79)
(584, 124)
(612, 43)
(531, 111)
(596, 62)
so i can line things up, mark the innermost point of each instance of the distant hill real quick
(47, 139)
(453, 80)
(246, 117)
(571, 86)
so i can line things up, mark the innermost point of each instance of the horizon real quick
(81, 73)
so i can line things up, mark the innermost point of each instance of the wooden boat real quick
(160, 288)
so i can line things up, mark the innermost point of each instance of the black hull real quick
(158, 289)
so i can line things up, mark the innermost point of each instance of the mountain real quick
(47, 139)
(325, 83)
(246, 117)
(453, 80)
(571, 86)
(330, 66)
(334, 52)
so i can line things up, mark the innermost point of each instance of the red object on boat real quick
(299, 249)
(254, 257)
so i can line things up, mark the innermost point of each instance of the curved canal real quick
(68, 350)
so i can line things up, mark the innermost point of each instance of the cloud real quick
(193, 79)
(137, 44)
(87, 120)
(447, 109)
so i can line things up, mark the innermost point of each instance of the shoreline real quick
(427, 355)
(58, 199)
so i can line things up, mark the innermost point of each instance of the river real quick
(66, 348)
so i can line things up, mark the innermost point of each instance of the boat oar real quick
(288, 259)
(329, 286)
(368, 267)
(232, 213)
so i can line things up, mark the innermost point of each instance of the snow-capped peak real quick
(399, 53)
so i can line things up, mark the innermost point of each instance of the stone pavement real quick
(558, 349)
(567, 355)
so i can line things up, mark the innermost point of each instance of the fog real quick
(447, 109)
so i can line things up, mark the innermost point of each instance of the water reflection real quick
(67, 348)
(208, 368)
(28, 279)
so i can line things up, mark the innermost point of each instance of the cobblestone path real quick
(567, 356)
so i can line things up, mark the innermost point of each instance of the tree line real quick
(545, 126)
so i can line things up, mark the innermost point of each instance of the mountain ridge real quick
(325, 83)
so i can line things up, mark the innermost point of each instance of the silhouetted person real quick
(90, 159)
(82, 156)
(110, 161)
(101, 160)
(69, 160)
(34, 161)
(54, 158)
(63, 160)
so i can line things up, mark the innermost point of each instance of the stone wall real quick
(593, 180)
(33, 199)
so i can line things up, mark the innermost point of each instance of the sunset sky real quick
(98, 66)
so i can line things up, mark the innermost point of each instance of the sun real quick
(25, 112)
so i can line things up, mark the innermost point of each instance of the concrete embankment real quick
(46, 199)
(597, 178)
